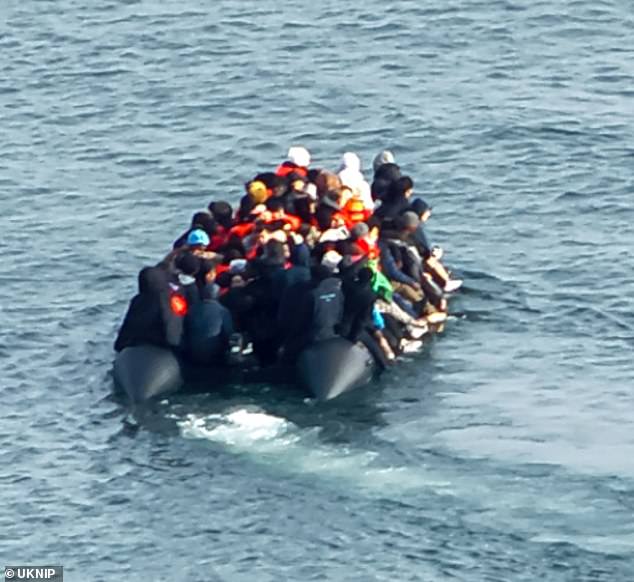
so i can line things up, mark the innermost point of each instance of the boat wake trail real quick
(281, 444)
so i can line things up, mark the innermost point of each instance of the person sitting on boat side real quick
(396, 201)
(298, 160)
(358, 322)
(403, 264)
(151, 318)
(384, 177)
(432, 255)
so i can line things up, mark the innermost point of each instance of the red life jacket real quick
(243, 229)
(218, 239)
(370, 249)
(286, 168)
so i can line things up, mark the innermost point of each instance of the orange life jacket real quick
(286, 168)
(354, 211)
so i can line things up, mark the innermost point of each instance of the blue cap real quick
(197, 237)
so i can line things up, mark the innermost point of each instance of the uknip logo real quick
(49, 573)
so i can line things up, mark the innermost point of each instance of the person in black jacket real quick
(150, 318)
(208, 328)
(396, 201)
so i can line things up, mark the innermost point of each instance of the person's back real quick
(208, 327)
(149, 319)
(327, 306)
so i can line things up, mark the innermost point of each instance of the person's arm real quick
(390, 269)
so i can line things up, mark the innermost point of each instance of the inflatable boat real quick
(323, 371)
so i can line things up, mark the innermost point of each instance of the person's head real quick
(276, 207)
(257, 192)
(152, 280)
(327, 182)
(204, 221)
(267, 178)
(384, 157)
(279, 186)
(359, 230)
(198, 239)
(407, 222)
(274, 252)
(351, 161)
(188, 266)
(299, 156)
(402, 188)
(422, 209)
(222, 212)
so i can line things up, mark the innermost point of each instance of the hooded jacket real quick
(150, 319)
(351, 176)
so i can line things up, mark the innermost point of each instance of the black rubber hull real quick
(145, 372)
(333, 367)
(325, 370)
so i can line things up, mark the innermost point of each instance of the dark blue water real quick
(504, 452)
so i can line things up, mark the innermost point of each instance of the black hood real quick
(152, 280)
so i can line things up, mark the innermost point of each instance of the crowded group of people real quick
(307, 255)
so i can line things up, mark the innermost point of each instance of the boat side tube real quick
(145, 372)
(332, 367)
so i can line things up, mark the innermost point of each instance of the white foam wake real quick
(276, 441)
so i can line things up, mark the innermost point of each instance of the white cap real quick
(299, 156)
(237, 266)
(334, 234)
(331, 259)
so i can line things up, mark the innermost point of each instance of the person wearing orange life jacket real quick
(298, 162)
(351, 176)
(277, 216)
(354, 211)
(223, 213)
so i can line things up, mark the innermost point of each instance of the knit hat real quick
(384, 157)
(197, 237)
(257, 191)
(359, 230)
(299, 156)
(409, 219)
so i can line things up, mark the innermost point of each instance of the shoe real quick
(410, 346)
(452, 285)
(416, 332)
(437, 317)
